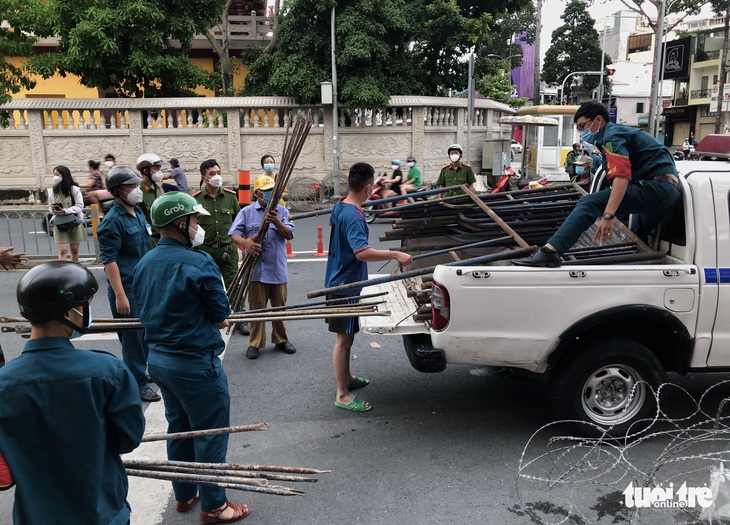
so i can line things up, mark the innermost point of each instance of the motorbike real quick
(679, 154)
(381, 184)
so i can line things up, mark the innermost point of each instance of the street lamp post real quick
(335, 118)
(562, 86)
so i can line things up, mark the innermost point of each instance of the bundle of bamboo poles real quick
(293, 145)
(237, 476)
(330, 308)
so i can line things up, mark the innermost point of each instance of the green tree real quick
(574, 47)
(383, 47)
(124, 46)
(13, 43)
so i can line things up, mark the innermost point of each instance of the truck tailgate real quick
(401, 308)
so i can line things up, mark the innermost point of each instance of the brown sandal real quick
(185, 506)
(239, 512)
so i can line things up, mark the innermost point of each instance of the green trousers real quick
(229, 267)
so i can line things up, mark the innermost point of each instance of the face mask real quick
(108, 163)
(411, 164)
(157, 176)
(587, 135)
(57, 180)
(580, 170)
(269, 167)
(266, 196)
(134, 197)
(395, 167)
(199, 237)
(78, 333)
(455, 158)
(216, 181)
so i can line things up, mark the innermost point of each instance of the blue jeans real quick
(651, 201)
(196, 399)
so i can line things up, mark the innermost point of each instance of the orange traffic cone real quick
(289, 251)
(320, 247)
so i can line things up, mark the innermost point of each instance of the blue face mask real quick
(580, 170)
(587, 136)
(269, 167)
(75, 334)
(266, 196)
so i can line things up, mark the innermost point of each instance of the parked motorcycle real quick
(381, 184)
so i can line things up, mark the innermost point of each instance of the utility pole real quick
(656, 87)
(719, 125)
(538, 31)
(335, 118)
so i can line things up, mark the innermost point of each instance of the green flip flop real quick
(359, 382)
(356, 405)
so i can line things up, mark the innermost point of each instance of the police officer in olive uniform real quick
(455, 172)
(149, 166)
(222, 205)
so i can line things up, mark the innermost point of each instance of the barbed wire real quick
(659, 453)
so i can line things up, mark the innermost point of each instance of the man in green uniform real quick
(149, 165)
(455, 172)
(222, 204)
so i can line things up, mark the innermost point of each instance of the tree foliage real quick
(13, 43)
(574, 47)
(383, 48)
(124, 46)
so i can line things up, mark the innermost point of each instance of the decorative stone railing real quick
(236, 131)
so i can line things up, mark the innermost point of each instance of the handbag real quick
(65, 223)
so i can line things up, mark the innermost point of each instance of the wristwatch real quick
(608, 216)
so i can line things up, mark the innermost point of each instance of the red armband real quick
(6, 477)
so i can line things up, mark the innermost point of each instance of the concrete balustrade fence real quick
(236, 131)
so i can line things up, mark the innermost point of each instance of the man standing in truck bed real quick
(643, 177)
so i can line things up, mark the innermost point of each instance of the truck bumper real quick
(422, 354)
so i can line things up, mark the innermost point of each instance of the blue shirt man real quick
(269, 277)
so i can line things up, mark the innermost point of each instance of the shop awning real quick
(677, 112)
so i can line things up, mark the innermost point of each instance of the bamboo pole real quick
(169, 476)
(225, 466)
(258, 427)
(227, 472)
(422, 271)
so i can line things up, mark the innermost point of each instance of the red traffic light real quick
(610, 72)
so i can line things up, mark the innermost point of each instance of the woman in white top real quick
(66, 199)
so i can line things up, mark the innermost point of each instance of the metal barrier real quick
(27, 231)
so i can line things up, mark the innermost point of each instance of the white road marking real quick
(148, 497)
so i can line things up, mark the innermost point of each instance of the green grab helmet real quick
(173, 205)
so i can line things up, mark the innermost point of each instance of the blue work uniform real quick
(181, 299)
(66, 416)
(124, 239)
(635, 155)
(348, 237)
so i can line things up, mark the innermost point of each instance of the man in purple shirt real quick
(269, 276)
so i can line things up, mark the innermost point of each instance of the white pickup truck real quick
(605, 333)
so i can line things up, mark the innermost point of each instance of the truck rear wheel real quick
(609, 383)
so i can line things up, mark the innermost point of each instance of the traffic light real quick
(610, 72)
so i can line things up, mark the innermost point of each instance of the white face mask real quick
(156, 176)
(411, 164)
(455, 158)
(57, 180)
(199, 237)
(216, 181)
(395, 167)
(135, 196)
(108, 163)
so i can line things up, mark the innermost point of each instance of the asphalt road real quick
(436, 449)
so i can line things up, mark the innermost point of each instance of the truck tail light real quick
(440, 307)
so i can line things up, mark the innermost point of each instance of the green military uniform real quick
(451, 176)
(223, 209)
(149, 193)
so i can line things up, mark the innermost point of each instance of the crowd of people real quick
(169, 257)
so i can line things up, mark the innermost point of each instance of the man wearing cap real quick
(269, 276)
(573, 154)
(413, 179)
(66, 414)
(582, 169)
(149, 166)
(222, 206)
(123, 239)
(183, 305)
(455, 172)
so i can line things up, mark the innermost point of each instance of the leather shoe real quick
(252, 352)
(543, 257)
(148, 395)
(243, 328)
(286, 347)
